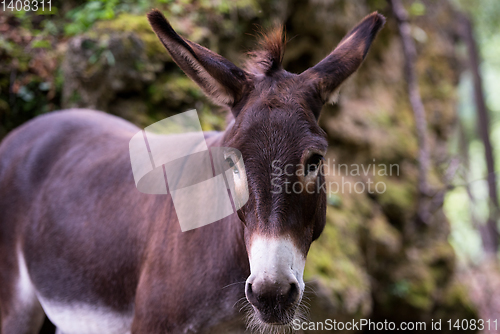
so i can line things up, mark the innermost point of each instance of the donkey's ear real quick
(220, 79)
(329, 73)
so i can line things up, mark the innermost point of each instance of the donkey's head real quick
(275, 128)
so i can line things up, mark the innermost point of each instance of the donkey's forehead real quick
(278, 116)
(282, 84)
(282, 95)
(278, 130)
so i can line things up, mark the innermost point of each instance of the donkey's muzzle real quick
(275, 300)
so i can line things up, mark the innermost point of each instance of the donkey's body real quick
(79, 242)
(66, 177)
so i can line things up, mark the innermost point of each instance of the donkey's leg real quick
(21, 311)
(23, 320)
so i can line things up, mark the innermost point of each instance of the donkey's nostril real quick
(249, 294)
(293, 293)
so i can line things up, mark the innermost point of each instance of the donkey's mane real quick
(268, 56)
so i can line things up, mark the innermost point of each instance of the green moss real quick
(382, 118)
(456, 304)
(391, 128)
(414, 286)
(420, 294)
(398, 201)
(335, 258)
(137, 24)
(440, 257)
(211, 121)
(397, 193)
(174, 89)
(386, 238)
(336, 262)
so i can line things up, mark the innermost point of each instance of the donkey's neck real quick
(232, 223)
(228, 233)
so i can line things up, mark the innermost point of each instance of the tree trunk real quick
(410, 55)
(490, 233)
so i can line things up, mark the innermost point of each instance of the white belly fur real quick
(73, 318)
(86, 319)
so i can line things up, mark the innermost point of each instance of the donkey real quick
(80, 244)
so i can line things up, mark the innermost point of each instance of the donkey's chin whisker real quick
(227, 286)
(310, 290)
(302, 312)
(242, 301)
(311, 281)
(304, 306)
(246, 307)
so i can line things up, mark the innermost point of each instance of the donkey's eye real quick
(313, 163)
(231, 164)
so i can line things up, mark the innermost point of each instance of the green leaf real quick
(41, 44)
(417, 9)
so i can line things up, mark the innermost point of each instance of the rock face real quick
(108, 70)
(373, 261)
(121, 67)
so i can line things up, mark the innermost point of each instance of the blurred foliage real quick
(30, 80)
(467, 205)
(84, 16)
(33, 44)
(485, 14)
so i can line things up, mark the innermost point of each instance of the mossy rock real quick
(139, 25)
(335, 266)
(454, 304)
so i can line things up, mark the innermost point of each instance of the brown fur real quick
(268, 57)
(68, 199)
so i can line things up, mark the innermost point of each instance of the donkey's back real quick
(62, 181)
(49, 145)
